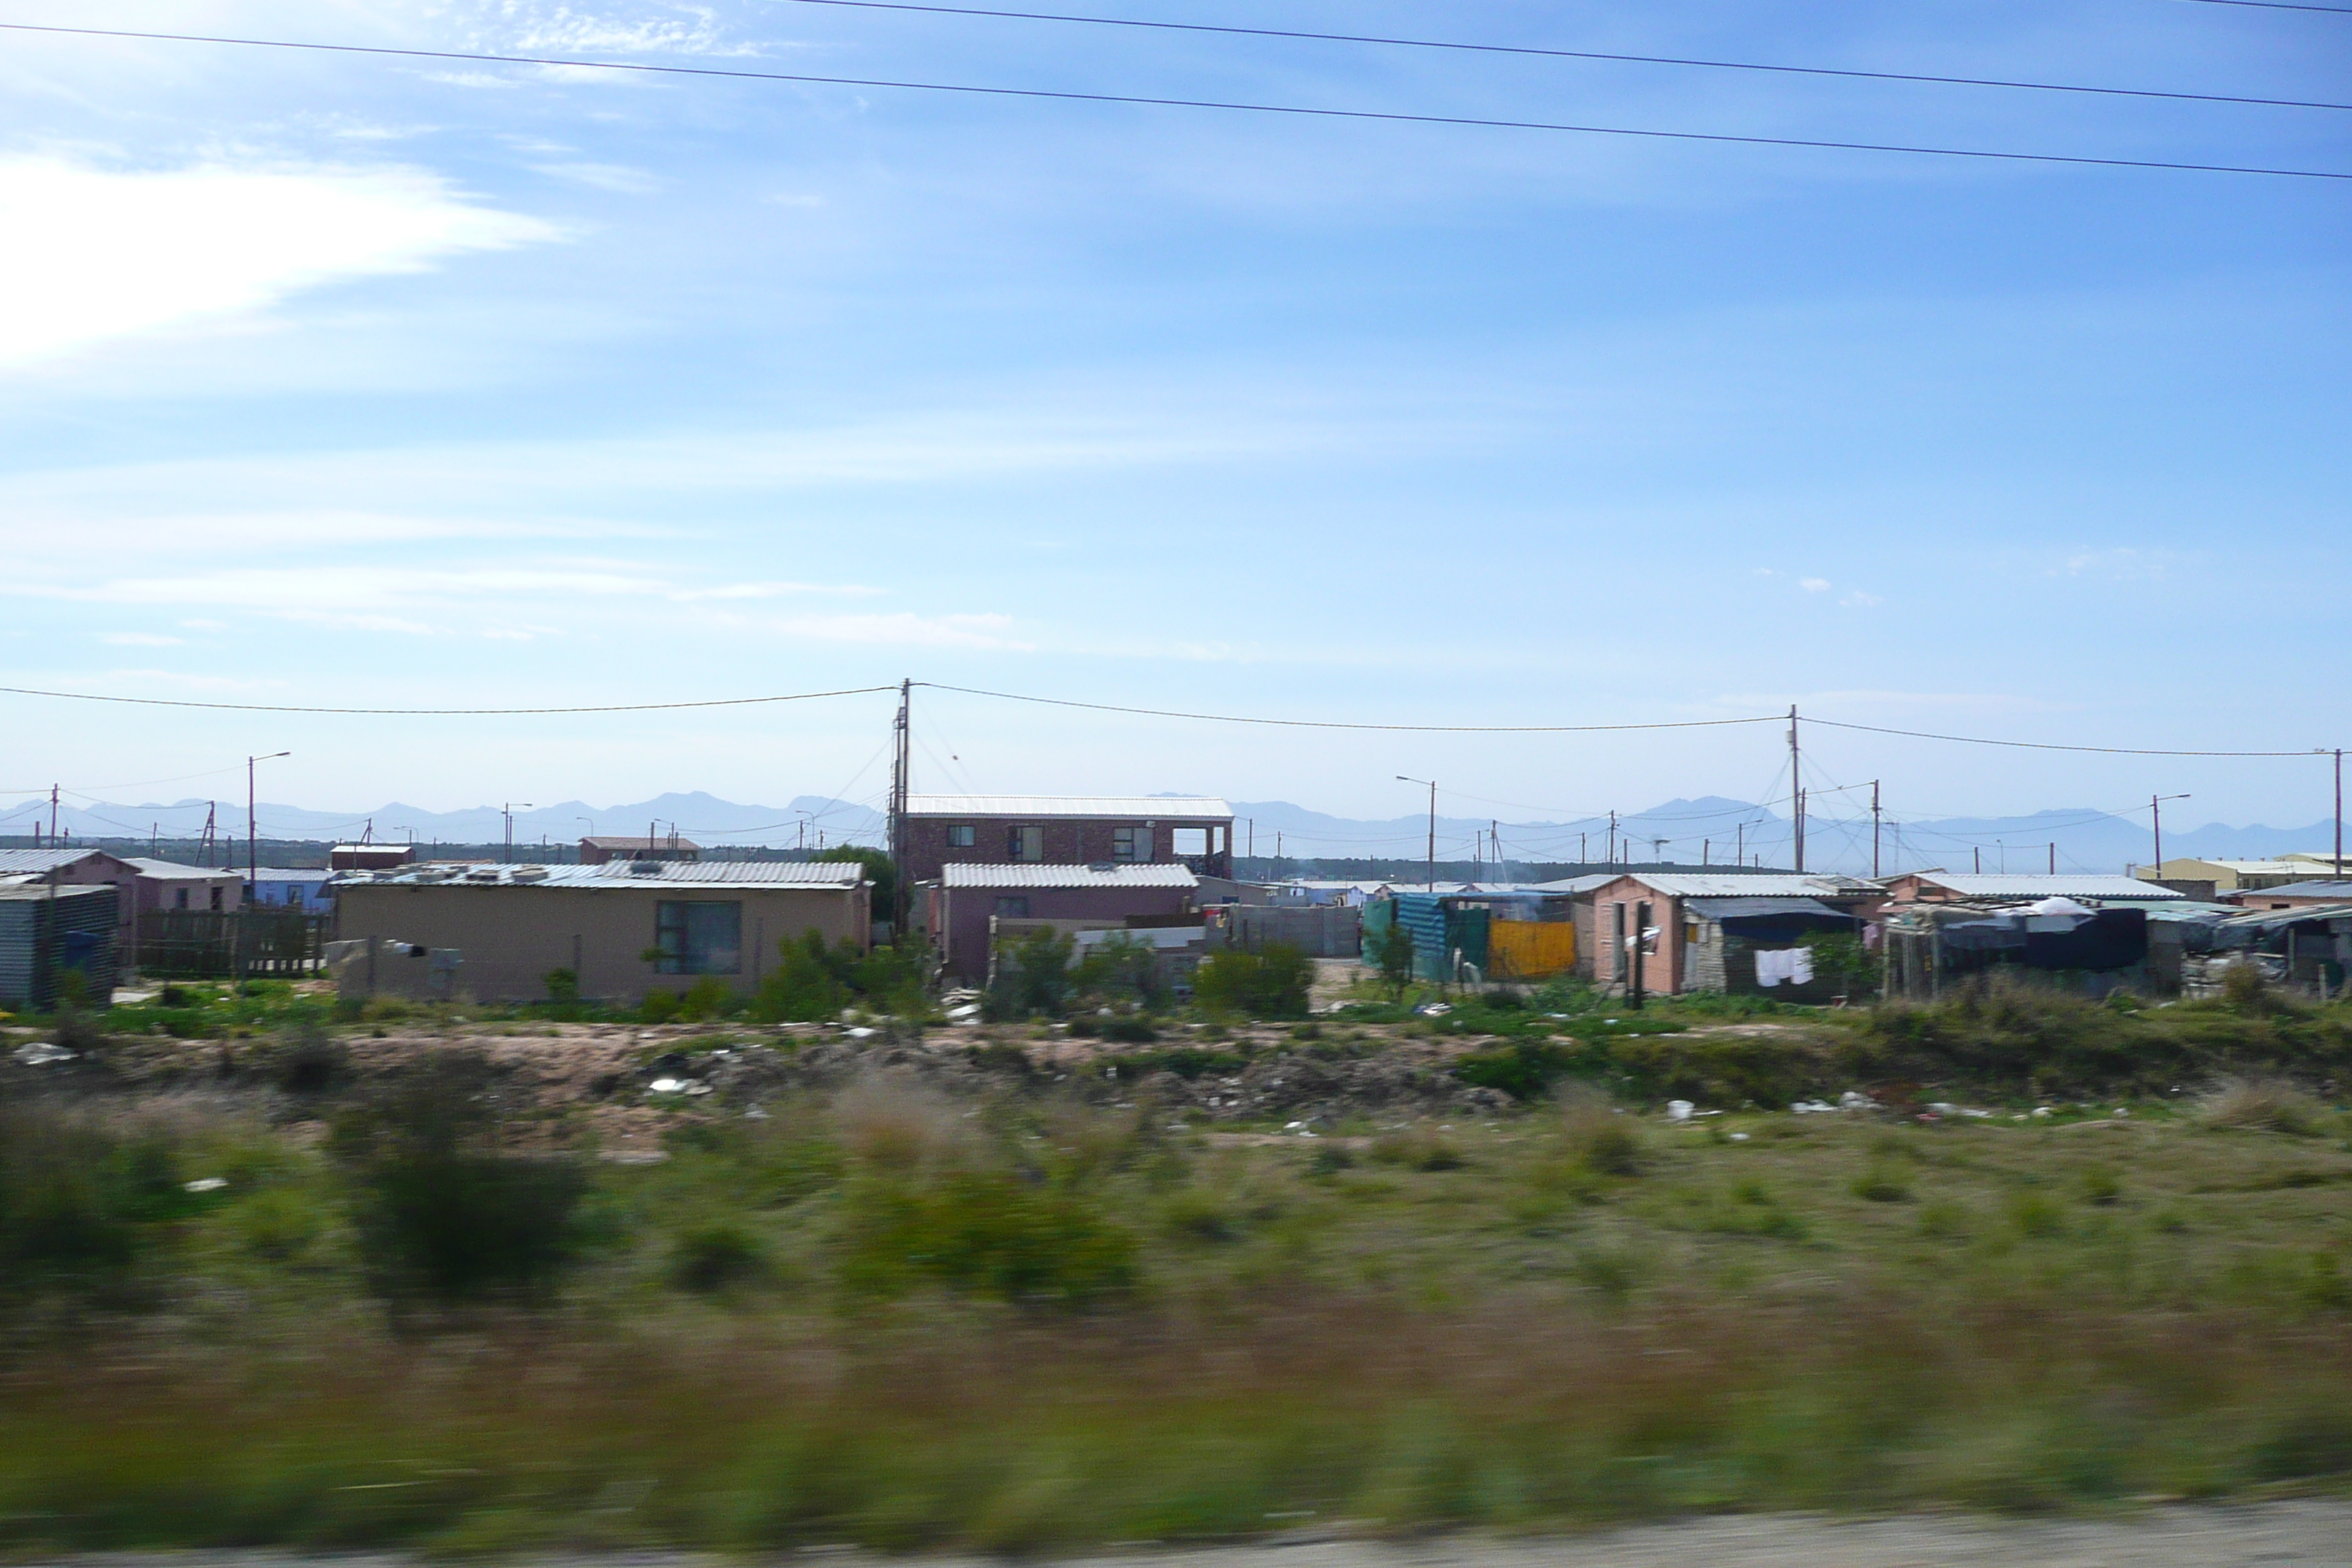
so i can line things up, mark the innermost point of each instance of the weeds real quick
(2261, 1105)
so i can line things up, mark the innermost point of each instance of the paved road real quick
(2290, 1532)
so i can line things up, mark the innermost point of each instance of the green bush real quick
(440, 1210)
(714, 1256)
(77, 1201)
(1034, 978)
(812, 981)
(1271, 982)
(986, 1232)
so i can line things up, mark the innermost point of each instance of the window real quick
(960, 836)
(699, 938)
(216, 898)
(1024, 843)
(1013, 909)
(1132, 843)
(179, 897)
(1190, 841)
(293, 896)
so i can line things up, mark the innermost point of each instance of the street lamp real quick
(1433, 824)
(2156, 820)
(252, 837)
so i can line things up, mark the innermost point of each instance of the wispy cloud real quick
(141, 639)
(102, 254)
(970, 631)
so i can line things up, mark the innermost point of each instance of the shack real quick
(621, 929)
(1506, 933)
(1666, 932)
(47, 933)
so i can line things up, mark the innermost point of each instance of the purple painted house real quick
(961, 907)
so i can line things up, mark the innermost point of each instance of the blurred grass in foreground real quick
(1025, 1323)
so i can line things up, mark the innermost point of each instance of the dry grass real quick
(2264, 1105)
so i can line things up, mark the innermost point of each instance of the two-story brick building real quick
(944, 830)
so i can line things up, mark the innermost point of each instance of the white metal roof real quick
(2066, 886)
(1027, 876)
(1768, 885)
(175, 871)
(2320, 888)
(17, 862)
(702, 875)
(1147, 807)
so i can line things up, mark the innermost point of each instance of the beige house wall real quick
(510, 937)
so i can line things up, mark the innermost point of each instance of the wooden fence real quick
(203, 944)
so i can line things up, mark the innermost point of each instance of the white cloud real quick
(1858, 600)
(906, 627)
(1815, 585)
(616, 177)
(141, 639)
(96, 255)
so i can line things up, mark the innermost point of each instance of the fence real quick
(203, 944)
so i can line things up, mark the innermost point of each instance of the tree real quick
(880, 869)
(1271, 982)
(1392, 955)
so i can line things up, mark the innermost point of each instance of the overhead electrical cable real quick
(1336, 724)
(1225, 105)
(2051, 745)
(2278, 5)
(1465, 48)
(441, 712)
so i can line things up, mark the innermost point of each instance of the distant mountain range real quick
(1710, 829)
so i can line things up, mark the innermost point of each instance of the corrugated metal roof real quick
(698, 874)
(1730, 884)
(671, 843)
(33, 892)
(173, 871)
(1755, 909)
(19, 862)
(2044, 887)
(1583, 884)
(1162, 876)
(2327, 888)
(1149, 808)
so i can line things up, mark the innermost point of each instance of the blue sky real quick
(345, 380)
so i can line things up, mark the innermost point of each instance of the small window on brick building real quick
(697, 937)
(1013, 908)
(216, 898)
(1024, 843)
(961, 836)
(1131, 844)
(1190, 840)
(179, 897)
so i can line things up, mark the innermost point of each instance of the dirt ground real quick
(2315, 1533)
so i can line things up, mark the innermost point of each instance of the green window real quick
(699, 937)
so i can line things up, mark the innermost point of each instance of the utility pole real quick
(1796, 791)
(1977, 850)
(507, 811)
(2156, 822)
(2053, 857)
(1402, 778)
(901, 780)
(1874, 830)
(1705, 847)
(1739, 845)
(1612, 839)
(53, 816)
(2339, 814)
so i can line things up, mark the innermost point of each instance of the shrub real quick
(1392, 955)
(1122, 967)
(76, 1199)
(1881, 1185)
(563, 985)
(715, 1255)
(309, 1059)
(1418, 1149)
(1033, 978)
(1130, 1030)
(441, 1211)
(2261, 1105)
(1598, 1139)
(1271, 982)
(986, 1232)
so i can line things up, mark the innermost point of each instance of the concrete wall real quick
(1662, 970)
(1068, 841)
(510, 937)
(960, 916)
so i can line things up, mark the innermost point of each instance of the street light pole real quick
(1433, 824)
(252, 834)
(507, 811)
(2156, 820)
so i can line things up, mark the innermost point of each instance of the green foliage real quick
(441, 1211)
(1271, 982)
(812, 981)
(563, 985)
(79, 1201)
(716, 1254)
(1122, 968)
(880, 869)
(1418, 1148)
(1391, 955)
(309, 1059)
(1033, 978)
(1840, 957)
(1184, 1061)
(986, 1232)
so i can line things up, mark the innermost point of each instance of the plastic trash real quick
(1739, 1138)
(206, 1183)
(697, 1087)
(1434, 1009)
(1811, 1107)
(41, 1053)
(1854, 1099)
(755, 1114)
(668, 1086)
(1679, 1110)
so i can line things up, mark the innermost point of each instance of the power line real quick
(2277, 5)
(1334, 724)
(437, 712)
(2050, 745)
(1229, 105)
(1564, 54)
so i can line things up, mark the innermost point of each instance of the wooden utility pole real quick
(901, 778)
(1796, 789)
(1873, 830)
(53, 816)
(2053, 857)
(1433, 836)
(1612, 839)
(2339, 814)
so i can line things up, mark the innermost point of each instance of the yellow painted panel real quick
(1530, 950)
